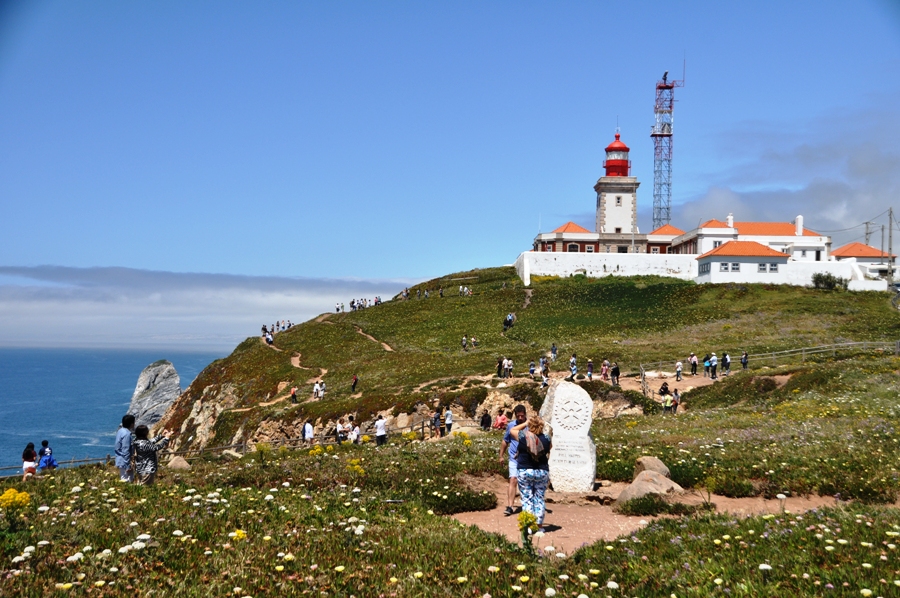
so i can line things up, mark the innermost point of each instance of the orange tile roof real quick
(859, 250)
(667, 229)
(571, 227)
(743, 249)
(713, 224)
(771, 229)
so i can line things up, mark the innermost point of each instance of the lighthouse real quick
(617, 199)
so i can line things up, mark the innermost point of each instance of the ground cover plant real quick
(626, 319)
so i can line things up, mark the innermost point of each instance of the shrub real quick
(829, 282)
(729, 484)
(654, 504)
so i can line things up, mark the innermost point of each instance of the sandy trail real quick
(273, 347)
(384, 346)
(322, 372)
(295, 361)
(528, 293)
(323, 317)
(574, 520)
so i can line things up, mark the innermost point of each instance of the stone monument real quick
(567, 416)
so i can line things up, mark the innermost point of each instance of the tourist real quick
(745, 361)
(713, 364)
(532, 465)
(678, 369)
(45, 457)
(545, 378)
(726, 364)
(294, 395)
(509, 368)
(485, 421)
(500, 367)
(441, 292)
(465, 343)
(316, 390)
(693, 360)
(380, 431)
(501, 421)
(706, 366)
(309, 434)
(510, 446)
(573, 365)
(340, 431)
(474, 342)
(29, 461)
(354, 432)
(355, 379)
(664, 389)
(676, 401)
(123, 450)
(604, 370)
(448, 420)
(460, 290)
(531, 368)
(667, 402)
(146, 461)
(436, 423)
(614, 374)
(322, 389)
(553, 352)
(590, 369)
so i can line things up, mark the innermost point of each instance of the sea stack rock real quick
(157, 387)
(567, 414)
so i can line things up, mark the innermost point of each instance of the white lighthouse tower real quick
(617, 200)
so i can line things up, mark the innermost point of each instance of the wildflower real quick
(493, 569)
(418, 574)
(718, 581)
(564, 577)
(765, 567)
(138, 545)
(178, 532)
(99, 583)
(516, 588)
(289, 557)
(267, 538)
(279, 568)
(462, 579)
(560, 555)
(144, 537)
(75, 489)
(594, 571)
(865, 592)
(75, 558)
(550, 592)
(133, 524)
(339, 568)
(524, 579)
(611, 585)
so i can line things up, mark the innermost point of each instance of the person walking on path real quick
(676, 401)
(380, 431)
(146, 459)
(590, 370)
(706, 366)
(353, 382)
(508, 450)
(465, 343)
(678, 368)
(713, 364)
(726, 364)
(448, 420)
(553, 352)
(294, 395)
(500, 367)
(573, 365)
(693, 360)
(533, 465)
(604, 370)
(614, 374)
(309, 434)
(745, 361)
(667, 403)
(436, 422)
(354, 431)
(123, 449)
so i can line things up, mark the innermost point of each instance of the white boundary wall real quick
(598, 265)
(683, 266)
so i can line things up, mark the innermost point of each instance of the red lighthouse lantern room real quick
(617, 163)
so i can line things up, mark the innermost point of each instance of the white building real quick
(874, 261)
(790, 238)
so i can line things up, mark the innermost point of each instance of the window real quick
(723, 267)
(803, 253)
(762, 268)
(654, 250)
(590, 249)
(618, 200)
(735, 267)
(619, 231)
(717, 244)
(572, 248)
(623, 248)
(784, 250)
(704, 268)
(773, 267)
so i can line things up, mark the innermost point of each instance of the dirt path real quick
(323, 317)
(528, 293)
(322, 372)
(574, 520)
(384, 346)
(295, 361)
(273, 347)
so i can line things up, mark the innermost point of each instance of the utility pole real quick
(890, 246)
(868, 234)
(882, 243)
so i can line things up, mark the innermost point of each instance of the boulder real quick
(178, 462)
(647, 463)
(157, 387)
(230, 454)
(649, 482)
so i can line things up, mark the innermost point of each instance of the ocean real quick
(75, 398)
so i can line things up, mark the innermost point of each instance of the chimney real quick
(799, 224)
(730, 221)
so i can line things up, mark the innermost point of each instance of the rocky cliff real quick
(157, 388)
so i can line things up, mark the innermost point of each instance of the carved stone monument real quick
(567, 415)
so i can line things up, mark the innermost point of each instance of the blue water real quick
(75, 398)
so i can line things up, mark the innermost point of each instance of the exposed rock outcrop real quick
(649, 482)
(157, 387)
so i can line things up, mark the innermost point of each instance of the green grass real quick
(629, 320)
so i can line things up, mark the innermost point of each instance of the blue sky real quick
(402, 140)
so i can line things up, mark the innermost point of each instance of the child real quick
(46, 457)
(146, 461)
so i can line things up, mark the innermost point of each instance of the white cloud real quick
(110, 307)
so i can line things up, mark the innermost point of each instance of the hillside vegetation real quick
(626, 319)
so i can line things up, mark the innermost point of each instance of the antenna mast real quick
(661, 132)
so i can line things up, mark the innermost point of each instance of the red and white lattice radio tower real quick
(661, 132)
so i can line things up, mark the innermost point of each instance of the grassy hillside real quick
(629, 320)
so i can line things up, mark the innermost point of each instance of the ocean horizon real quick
(75, 398)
